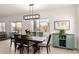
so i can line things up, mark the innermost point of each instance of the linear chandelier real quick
(31, 15)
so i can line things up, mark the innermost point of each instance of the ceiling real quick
(16, 9)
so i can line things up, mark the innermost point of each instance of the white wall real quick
(62, 13)
(77, 24)
(8, 21)
(65, 13)
(26, 24)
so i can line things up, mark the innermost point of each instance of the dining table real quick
(37, 40)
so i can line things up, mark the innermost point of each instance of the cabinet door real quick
(70, 42)
(56, 40)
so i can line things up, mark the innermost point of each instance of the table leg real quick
(35, 47)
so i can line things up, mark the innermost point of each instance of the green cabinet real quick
(56, 40)
(69, 41)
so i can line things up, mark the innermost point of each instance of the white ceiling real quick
(16, 9)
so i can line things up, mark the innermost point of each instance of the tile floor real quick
(5, 49)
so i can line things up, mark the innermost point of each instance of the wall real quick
(77, 24)
(61, 13)
(8, 21)
(65, 13)
(26, 24)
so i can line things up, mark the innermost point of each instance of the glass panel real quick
(16, 27)
(2, 27)
(41, 25)
(37, 25)
(12, 27)
(44, 25)
(32, 26)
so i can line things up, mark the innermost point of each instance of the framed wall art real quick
(63, 24)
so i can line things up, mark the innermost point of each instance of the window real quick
(41, 25)
(35, 25)
(44, 25)
(16, 27)
(2, 27)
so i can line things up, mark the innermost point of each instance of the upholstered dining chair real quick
(33, 33)
(26, 43)
(18, 42)
(47, 45)
(40, 34)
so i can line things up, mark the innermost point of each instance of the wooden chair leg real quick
(28, 49)
(15, 47)
(47, 50)
(11, 43)
(39, 50)
(21, 49)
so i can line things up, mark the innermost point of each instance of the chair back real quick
(49, 38)
(33, 33)
(24, 39)
(40, 34)
(17, 39)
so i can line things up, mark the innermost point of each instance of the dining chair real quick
(18, 42)
(33, 33)
(26, 42)
(47, 45)
(40, 34)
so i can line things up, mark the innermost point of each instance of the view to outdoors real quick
(40, 25)
(16, 27)
(2, 27)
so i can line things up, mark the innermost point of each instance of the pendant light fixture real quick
(31, 15)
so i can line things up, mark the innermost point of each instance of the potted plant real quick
(27, 32)
(62, 31)
(62, 34)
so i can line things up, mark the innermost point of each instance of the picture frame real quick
(63, 24)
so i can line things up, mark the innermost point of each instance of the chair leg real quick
(21, 49)
(47, 50)
(11, 43)
(39, 50)
(28, 50)
(15, 47)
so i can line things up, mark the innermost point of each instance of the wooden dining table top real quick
(34, 38)
(37, 38)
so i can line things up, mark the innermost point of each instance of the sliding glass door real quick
(37, 25)
(41, 25)
(16, 27)
(2, 27)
